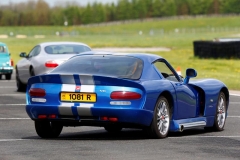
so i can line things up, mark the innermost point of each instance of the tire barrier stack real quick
(229, 49)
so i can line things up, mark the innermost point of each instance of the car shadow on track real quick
(126, 134)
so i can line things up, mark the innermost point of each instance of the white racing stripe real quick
(66, 108)
(84, 109)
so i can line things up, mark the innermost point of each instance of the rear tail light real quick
(51, 64)
(123, 95)
(111, 119)
(12, 63)
(37, 92)
(52, 116)
(104, 118)
(42, 116)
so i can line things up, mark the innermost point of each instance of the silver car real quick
(43, 58)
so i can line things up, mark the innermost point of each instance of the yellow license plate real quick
(78, 97)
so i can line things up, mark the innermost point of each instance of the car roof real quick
(62, 42)
(144, 56)
(2, 44)
(148, 71)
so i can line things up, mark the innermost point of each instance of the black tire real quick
(220, 117)
(0, 76)
(8, 76)
(20, 85)
(113, 129)
(161, 119)
(46, 129)
(32, 72)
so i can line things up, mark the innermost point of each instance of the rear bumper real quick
(6, 70)
(126, 116)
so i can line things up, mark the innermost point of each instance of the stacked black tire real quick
(217, 49)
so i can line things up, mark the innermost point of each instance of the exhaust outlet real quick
(181, 128)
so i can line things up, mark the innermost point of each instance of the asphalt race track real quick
(18, 140)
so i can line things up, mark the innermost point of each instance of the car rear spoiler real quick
(83, 80)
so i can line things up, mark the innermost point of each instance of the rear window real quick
(66, 49)
(106, 65)
(3, 49)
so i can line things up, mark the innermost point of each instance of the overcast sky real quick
(53, 2)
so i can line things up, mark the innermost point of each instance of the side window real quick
(34, 52)
(166, 72)
(86, 48)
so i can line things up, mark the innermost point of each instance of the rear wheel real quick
(20, 85)
(113, 129)
(220, 117)
(161, 119)
(0, 76)
(46, 129)
(8, 76)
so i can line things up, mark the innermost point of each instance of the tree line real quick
(40, 13)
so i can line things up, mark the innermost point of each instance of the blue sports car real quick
(124, 90)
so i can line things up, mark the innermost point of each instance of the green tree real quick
(98, 13)
(169, 8)
(164, 8)
(142, 9)
(122, 10)
(87, 15)
(72, 15)
(42, 13)
(198, 7)
(156, 12)
(182, 7)
(230, 6)
(110, 11)
(8, 18)
(57, 16)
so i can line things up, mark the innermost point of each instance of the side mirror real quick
(190, 73)
(23, 54)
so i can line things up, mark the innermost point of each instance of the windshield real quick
(107, 65)
(66, 49)
(3, 49)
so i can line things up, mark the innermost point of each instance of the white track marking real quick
(233, 116)
(8, 81)
(2, 95)
(13, 118)
(234, 102)
(9, 140)
(12, 104)
(236, 136)
(238, 95)
(7, 87)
